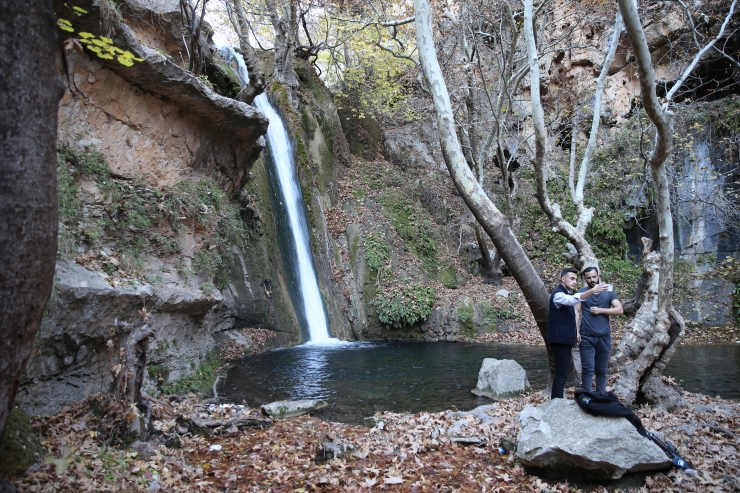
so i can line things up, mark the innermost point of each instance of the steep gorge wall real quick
(136, 144)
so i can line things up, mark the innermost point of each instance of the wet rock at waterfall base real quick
(501, 379)
(290, 409)
(560, 440)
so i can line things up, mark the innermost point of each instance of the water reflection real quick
(358, 379)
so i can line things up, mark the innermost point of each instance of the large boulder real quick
(560, 440)
(500, 379)
(289, 409)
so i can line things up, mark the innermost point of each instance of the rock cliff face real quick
(137, 139)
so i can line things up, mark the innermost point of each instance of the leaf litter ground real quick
(402, 452)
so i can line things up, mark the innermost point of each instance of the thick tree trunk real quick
(651, 339)
(489, 217)
(492, 273)
(650, 343)
(256, 76)
(286, 28)
(28, 200)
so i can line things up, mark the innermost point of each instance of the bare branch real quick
(701, 53)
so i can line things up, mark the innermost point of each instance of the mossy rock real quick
(20, 447)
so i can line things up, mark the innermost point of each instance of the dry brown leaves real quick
(403, 453)
(336, 221)
(232, 350)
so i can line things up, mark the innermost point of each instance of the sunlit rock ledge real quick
(161, 75)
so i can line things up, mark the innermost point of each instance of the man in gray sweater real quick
(594, 332)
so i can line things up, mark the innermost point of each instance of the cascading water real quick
(281, 150)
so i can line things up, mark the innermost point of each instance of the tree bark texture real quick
(492, 273)
(286, 29)
(650, 340)
(31, 89)
(256, 76)
(663, 336)
(489, 217)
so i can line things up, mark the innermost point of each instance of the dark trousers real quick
(594, 360)
(562, 353)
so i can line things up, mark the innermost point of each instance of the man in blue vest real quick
(562, 331)
(595, 339)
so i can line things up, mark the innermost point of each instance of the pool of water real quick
(357, 379)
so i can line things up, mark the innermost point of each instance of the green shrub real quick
(376, 251)
(406, 305)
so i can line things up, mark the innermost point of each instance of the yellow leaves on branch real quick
(105, 49)
(102, 46)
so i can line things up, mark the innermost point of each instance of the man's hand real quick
(578, 337)
(600, 288)
(595, 310)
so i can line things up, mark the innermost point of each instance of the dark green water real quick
(358, 379)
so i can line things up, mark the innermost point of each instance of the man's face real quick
(592, 278)
(569, 280)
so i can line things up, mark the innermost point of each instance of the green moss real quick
(20, 446)
(411, 223)
(201, 381)
(142, 220)
(353, 249)
(466, 319)
(493, 316)
(683, 277)
(447, 276)
(224, 80)
(359, 194)
(158, 373)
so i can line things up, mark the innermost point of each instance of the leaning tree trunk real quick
(488, 216)
(658, 327)
(28, 199)
(285, 42)
(256, 76)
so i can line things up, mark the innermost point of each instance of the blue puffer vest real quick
(561, 322)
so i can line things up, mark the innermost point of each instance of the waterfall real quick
(281, 150)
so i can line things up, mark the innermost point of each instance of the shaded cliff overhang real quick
(158, 74)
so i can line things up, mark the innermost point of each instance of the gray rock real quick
(289, 409)
(144, 449)
(457, 428)
(500, 379)
(334, 450)
(479, 412)
(560, 440)
(503, 293)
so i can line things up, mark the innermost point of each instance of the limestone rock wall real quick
(155, 125)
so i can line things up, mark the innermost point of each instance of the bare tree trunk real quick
(256, 76)
(489, 217)
(194, 22)
(286, 28)
(28, 200)
(492, 273)
(646, 350)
